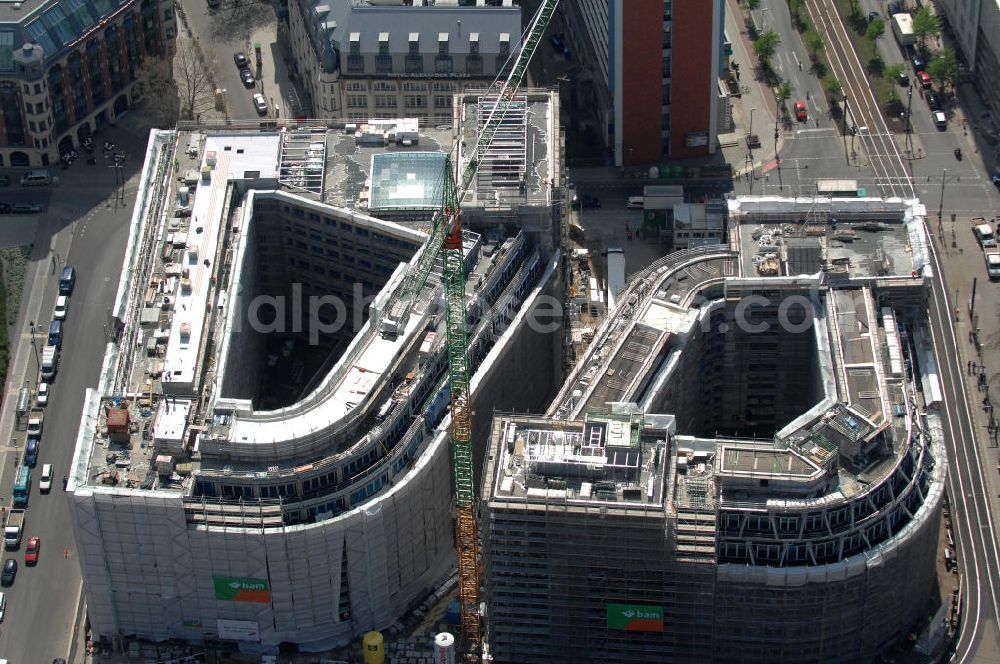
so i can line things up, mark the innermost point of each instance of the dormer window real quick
(503, 54)
(383, 62)
(355, 61)
(474, 63)
(414, 63)
(442, 62)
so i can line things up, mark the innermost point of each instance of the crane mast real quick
(446, 237)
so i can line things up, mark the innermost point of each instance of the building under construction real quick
(265, 458)
(740, 468)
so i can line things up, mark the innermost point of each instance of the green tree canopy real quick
(925, 25)
(944, 68)
(891, 73)
(814, 43)
(785, 92)
(833, 87)
(875, 29)
(766, 45)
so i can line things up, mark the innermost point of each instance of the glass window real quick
(41, 35)
(58, 23)
(6, 49)
(79, 12)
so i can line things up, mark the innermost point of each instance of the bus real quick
(22, 486)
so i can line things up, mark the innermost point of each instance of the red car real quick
(925, 79)
(31, 553)
(800, 111)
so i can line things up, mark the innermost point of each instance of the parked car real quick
(61, 310)
(932, 100)
(940, 119)
(586, 201)
(801, 114)
(240, 60)
(924, 78)
(3, 605)
(31, 451)
(4, 208)
(904, 79)
(996, 180)
(9, 572)
(34, 548)
(248, 78)
(25, 208)
(260, 104)
(557, 43)
(42, 396)
(873, 16)
(918, 63)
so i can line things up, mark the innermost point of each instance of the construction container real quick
(118, 422)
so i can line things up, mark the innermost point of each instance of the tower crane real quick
(446, 239)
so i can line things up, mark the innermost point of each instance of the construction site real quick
(265, 415)
(311, 414)
(740, 467)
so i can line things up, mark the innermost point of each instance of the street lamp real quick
(750, 136)
(225, 104)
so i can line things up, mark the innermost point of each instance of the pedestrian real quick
(969, 366)
(974, 367)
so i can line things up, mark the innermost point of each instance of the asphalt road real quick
(223, 32)
(42, 603)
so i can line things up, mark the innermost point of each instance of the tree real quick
(925, 24)
(944, 68)
(155, 94)
(784, 92)
(874, 31)
(796, 6)
(751, 4)
(833, 88)
(814, 43)
(765, 46)
(892, 73)
(195, 83)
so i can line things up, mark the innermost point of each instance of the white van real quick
(35, 179)
(634, 203)
(984, 233)
(45, 484)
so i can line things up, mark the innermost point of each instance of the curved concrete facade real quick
(785, 508)
(318, 520)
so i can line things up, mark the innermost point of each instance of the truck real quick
(36, 417)
(902, 27)
(13, 529)
(50, 363)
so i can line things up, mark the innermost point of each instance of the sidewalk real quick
(756, 104)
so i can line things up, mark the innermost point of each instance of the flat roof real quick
(234, 156)
(608, 458)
